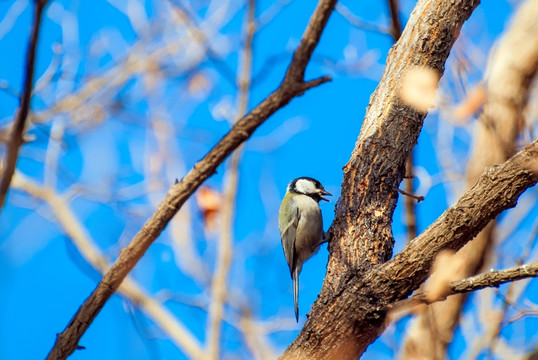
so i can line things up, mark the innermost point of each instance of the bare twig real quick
(17, 131)
(410, 213)
(292, 85)
(219, 284)
(355, 21)
(253, 332)
(395, 24)
(482, 281)
(418, 198)
(271, 12)
(494, 278)
(139, 59)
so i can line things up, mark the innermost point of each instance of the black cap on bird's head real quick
(308, 186)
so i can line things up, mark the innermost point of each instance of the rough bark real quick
(346, 317)
(495, 278)
(346, 320)
(512, 67)
(467, 285)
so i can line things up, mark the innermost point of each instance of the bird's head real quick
(308, 186)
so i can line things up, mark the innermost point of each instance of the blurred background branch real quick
(16, 135)
(501, 121)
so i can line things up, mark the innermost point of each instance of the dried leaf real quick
(208, 201)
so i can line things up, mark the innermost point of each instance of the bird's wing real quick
(289, 232)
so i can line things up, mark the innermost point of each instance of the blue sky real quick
(106, 164)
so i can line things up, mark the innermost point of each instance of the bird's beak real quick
(323, 192)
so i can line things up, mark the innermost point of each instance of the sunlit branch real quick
(499, 124)
(490, 279)
(219, 284)
(292, 85)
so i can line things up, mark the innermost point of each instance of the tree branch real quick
(17, 131)
(348, 315)
(494, 278)
(478, 282)
(293, 85)
(354, 314)
(497, 129)
(355, 21)
(496, 190)
(395, 24)
(219, 284)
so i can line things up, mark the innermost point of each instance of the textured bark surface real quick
(464, 286)
(512, 67)
(348, 315)
(495, 278)
(343, 323)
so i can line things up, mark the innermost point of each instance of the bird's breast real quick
(309, 229)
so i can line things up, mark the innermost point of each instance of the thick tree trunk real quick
(348, 314)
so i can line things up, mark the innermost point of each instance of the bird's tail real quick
(296, 292)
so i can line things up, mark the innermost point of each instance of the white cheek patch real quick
(305, 186)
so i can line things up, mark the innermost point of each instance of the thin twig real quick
(482, 281)
(253, 331)
(418, 198)
(17, 131)
(271, 12)
(219, 284)
(139, 58)
(410, 213)
(494, 278)
(355, 21)
(395, 23)
(292, 85)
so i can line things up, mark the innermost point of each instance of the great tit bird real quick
(301, 226)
